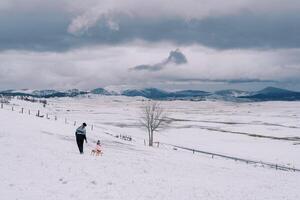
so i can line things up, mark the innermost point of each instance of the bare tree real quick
(153, 117)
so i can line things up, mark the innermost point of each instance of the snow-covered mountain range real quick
(267, 94)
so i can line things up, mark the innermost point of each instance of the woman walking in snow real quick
(80, 137)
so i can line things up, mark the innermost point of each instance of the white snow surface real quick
(40, 159)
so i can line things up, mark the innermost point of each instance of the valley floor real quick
(40, 160)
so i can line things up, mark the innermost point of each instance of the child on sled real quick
(97, 151)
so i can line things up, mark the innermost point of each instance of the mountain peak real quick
(274, 90)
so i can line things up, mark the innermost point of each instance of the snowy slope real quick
(220, 127)
(39, 159)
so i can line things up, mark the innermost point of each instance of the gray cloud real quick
(175, 57)
(64, 25)
(152, 68)
(104, 66)
(164, 9)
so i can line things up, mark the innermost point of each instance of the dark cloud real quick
(37, 31)
(175, 57)
(152, 68)
(223, 32)
(48, 31)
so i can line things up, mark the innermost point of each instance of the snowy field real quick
(40, 160)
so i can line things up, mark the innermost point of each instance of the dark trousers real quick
(80, 140)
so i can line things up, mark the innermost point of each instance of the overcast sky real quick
(62, 44)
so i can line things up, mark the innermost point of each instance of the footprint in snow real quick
(94, 182)
(62, 181)
(109, 183)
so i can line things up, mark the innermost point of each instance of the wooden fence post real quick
(12, 108)
(92, 127)
(74, 123)
(1, 105)
(38, 113)
(55, 118)
(22, 110)
(28, 112)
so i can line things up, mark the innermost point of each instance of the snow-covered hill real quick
(274, 94)
(39, 158)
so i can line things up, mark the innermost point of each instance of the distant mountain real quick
(74, 92)
(100, 91)
(43, 93)
(274, 94)
(23, 92)
(267, 94)
(232, 93)
(274, 90)
(153, 93)
(189, 94)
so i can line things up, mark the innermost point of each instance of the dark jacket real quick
(81, 132)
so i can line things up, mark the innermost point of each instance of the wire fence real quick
(237, 159)
(39, 113)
